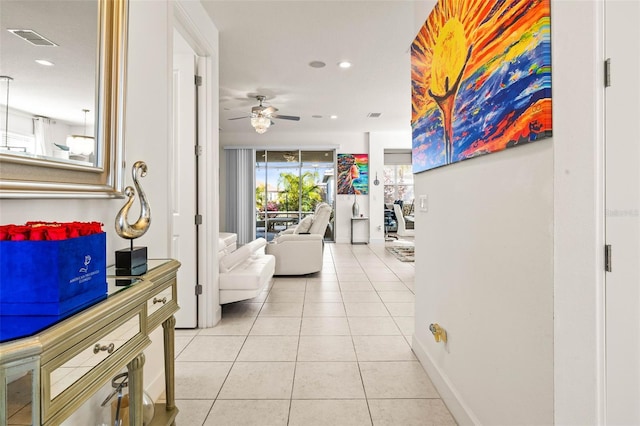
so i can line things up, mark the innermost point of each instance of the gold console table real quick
(70, 359)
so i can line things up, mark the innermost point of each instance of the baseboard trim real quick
(460, 411)
(217, 315)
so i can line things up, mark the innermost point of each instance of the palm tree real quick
(261, 197)
(294, 186)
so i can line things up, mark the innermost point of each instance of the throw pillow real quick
(229, 261)
(407, 209)
(304, 225)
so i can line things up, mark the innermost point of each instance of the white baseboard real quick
(460, 411)
(217, 314)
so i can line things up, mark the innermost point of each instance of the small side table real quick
(365, 220)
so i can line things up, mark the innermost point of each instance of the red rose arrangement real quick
(39, 231)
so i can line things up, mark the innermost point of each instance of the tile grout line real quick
(364, 389)
(295, 362)
(233, 363)
(363, 260)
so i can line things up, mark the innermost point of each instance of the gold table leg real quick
(169, 355)
(136, 387)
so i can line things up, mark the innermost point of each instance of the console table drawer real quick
(92, 360)
(163, 303)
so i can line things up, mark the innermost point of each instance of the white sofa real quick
(228, 241)
(244, 272)
(298, 250)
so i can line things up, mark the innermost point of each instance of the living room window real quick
(289, 185)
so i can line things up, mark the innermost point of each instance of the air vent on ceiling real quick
(374, 115)
(32, 37)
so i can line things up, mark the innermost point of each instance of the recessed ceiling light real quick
(317, 64)
(316, 116)
(44, 62)
(334, 117)
(344, 64)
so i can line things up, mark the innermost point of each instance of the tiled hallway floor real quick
(331, 348)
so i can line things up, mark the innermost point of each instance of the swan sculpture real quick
(123, 228)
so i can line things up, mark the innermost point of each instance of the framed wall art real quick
(480, 79)
(353, 174)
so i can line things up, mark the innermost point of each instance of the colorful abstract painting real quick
(353, 173)
(480, 79)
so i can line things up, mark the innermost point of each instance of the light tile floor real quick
(331, 349)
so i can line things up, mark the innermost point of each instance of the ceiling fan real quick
(261, 116)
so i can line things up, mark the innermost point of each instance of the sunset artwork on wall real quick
(480, 79)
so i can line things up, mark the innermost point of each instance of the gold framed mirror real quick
(92, 38)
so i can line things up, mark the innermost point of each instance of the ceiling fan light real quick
(261, 123)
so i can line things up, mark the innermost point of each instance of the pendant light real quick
(81, 144)
(6, 112)
(260, 122)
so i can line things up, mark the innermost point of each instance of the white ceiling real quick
(266, 48)
(65, 89)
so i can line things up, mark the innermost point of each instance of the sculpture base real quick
(133, 272)
(131, 258)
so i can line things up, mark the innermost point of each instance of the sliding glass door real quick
(289, 185)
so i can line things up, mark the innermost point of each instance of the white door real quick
(622, 136)
(183, 174)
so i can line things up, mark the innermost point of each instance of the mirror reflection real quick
(48, 61)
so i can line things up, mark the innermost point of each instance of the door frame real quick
(183, 166)
(579, 212)
(191, 21)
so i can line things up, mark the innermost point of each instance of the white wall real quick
(510, 257)
(344, 203)
(485, 274)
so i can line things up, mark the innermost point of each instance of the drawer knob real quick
(156, 300)
(108, 348)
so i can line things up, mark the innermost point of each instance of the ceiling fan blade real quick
(285, 117)
(269, 110)
(239, 118)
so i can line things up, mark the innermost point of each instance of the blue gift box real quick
(52, 277)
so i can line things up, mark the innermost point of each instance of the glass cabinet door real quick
(20, 398)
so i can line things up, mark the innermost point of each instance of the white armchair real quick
(298, 251)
